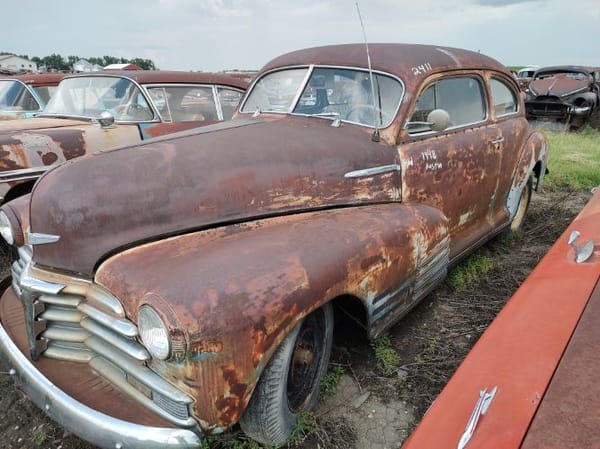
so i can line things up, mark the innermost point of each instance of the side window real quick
(461, 97)
(229, 99)
(184, 103)
(503, 97)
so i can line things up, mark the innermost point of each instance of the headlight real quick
(153, 333)
(6, 229)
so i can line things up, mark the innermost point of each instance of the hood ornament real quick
(582, 253)
(482, 405)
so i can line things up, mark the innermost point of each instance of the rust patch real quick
(71, 141)
(48, 158)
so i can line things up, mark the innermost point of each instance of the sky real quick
(215, 35)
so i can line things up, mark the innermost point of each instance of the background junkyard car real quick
(24, 96)
(530, 382)
(102, 110)
(565, 96)
(194, 276)
(524, 76)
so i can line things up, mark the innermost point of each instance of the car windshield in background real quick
(328, 92)
(563, 74)
(14, 95)
(91, 95)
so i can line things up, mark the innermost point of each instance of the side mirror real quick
(439, 119)
(106, 119)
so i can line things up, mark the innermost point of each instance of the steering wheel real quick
(368, 114)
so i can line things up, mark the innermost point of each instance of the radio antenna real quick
(375, 136)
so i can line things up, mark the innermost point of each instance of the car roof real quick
(41, 79)
(171, 76)
(402, 60)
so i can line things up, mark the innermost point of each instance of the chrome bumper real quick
(95, 427)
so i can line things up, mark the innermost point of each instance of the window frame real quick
(510, 87)
(483, 85)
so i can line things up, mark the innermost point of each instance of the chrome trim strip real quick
(37, 285)
(24, 174)
(146, 376)
(97, 428)
(37, 238)
(123, 327)
(373, 171)
(115, 376)
(126, 345)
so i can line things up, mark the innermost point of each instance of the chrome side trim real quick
(373, 171)
(37, 238)
(97, 428)
(24, 174)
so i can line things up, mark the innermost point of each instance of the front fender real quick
(231, 294)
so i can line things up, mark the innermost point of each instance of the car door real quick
(455, 169)
(513, 127)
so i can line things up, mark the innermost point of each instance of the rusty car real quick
(530, 382)
(24, 96)
(564, 97)
(194, 279)
(97, 111)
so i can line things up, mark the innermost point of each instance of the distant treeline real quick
(61, 63)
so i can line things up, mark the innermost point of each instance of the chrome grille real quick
(78, 321)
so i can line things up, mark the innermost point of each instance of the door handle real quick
(497, 140)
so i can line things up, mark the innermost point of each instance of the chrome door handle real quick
(497, 140)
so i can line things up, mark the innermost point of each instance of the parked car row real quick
(193, 278)
(103, 110)
(24, 96)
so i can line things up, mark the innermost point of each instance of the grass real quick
(388, 359)
(469, 271)
(331, 380)
(574, 161)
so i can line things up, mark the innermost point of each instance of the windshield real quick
(328, 92)
(89, 96)
(563, 74)
(15, 96)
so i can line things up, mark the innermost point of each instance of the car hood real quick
(229, 172)
(559, 86)
(38, 123)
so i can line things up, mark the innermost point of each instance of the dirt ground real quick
(369, 409)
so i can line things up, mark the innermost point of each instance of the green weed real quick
(469, 271)
(386, 356)
(331, 380)
(305, 425)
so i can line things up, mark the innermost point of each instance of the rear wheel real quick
(290, 383)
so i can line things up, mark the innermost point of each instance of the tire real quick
(517, 222)
(291, 381)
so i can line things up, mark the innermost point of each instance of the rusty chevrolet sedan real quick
(169, 290)
(102, 110)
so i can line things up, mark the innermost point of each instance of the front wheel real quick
(290, 383)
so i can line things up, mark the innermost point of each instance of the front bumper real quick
(98, 428)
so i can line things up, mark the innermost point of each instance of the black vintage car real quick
(565, 97)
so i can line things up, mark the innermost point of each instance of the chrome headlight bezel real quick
(6, 228)
(153, 333)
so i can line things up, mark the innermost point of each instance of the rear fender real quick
(533, 159)
(230, 295)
